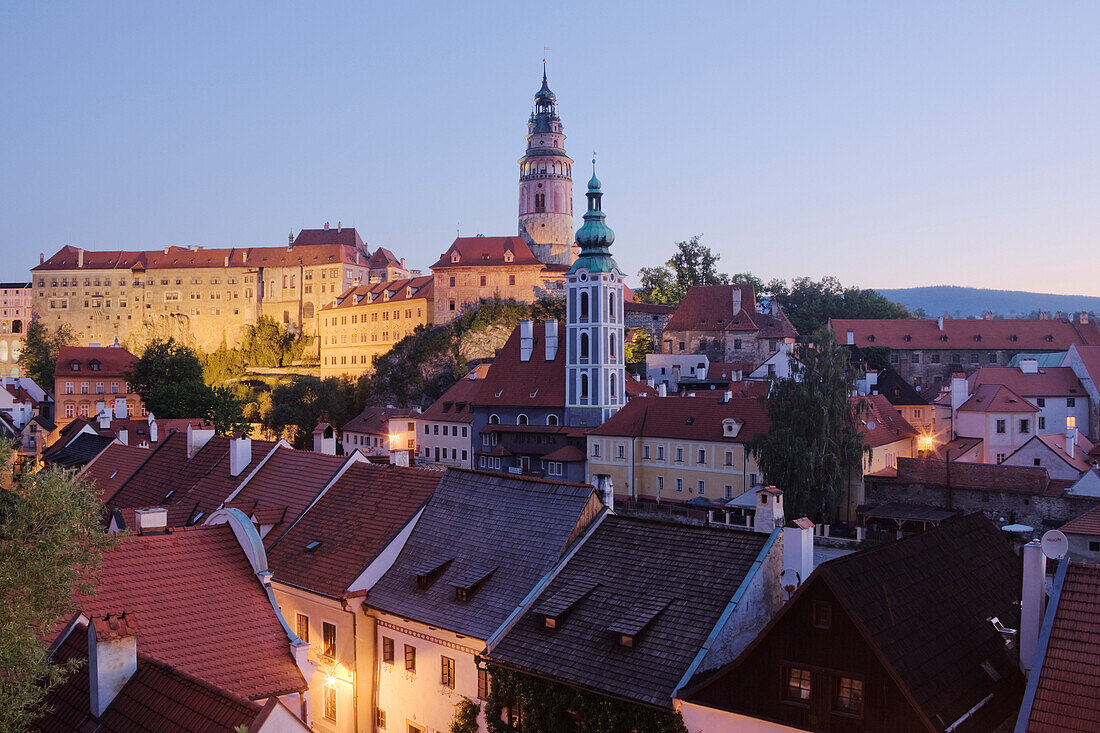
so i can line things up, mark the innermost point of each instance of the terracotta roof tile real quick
(534, 383)
(1087, 523)
(375, 420)
(391, 291)
(710, 308)
(113, 361)
(996, 398)
(113, 467)
(457, 403)
(1047, 382)
(486, 252)
(958, 333)
(888, 424)
(689, 418)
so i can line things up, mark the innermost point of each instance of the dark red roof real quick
(382, 257)
(974, 476)
(354, 520)
(67, 258)
(1047, 382)
(710, 308)
(1066, 698)
(1087, 523)
(375, 420)
(533, 383)
(996, 398)
(346, 236)
(457, 403)
(889, 425)
(391, 291)
(688, 418)
(113, 361)
(486, 252)
(656, 308)
(111, 468)
(958, 333)
(200, 609)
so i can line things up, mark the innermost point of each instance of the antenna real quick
(1054, 544)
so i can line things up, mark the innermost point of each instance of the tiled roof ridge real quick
(521, 478)
(199, 682)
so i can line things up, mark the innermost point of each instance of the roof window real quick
(74, 365)
(467, 584)
(632, 623)
(430, 572)
(554, 608)
(95, 365)
(312, 546)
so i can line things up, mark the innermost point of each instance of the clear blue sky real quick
(889, 144)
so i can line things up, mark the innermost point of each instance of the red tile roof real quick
(976, 476)
(346, 236)
(487, 252)
(957, 333)
(1057, 443)
(1067, 691)
(200, 609)
(728, 369)
(565, 454)
(888, 424)
(113, 467)
(688, 418)
(354, 520)
(137, 429)
(391, 291)
(1087, 523)
(1090, 357)
(183, 257)
(375, 420)
(1047, 382)
(534, 383)
(113, 361)
(996, 398)
(457, 403)
(382, 257)
(710, 308)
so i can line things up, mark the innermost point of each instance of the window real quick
(798, 685)
(69, 410)
(702, 487)
(702, 456)
(660, 453)
(1000, 427)
(410, 658)
(1071, 402)
(447, 672)
(328, 632)
(483, 684)
(660, 484)
(849, 696)
(452, 281)
(387, 650)
(620, 451)
(645, 452)
(484, 281)
(68, 387)
(737, 344)
(993, 358)
(511, 279)
(1071, 422)
(915, 357)
(1025, 426)
(679, 484)
(1000, 459)
(595, 450)
(380, 719)
(1094, 546)
(679, 455)
(823, 615)
(729, 491)
(1042, 423)
(301, 626)
(936, 357)
(330, 703)
(1041, 402)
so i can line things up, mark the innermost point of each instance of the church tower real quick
(546, 184)
(594, 387)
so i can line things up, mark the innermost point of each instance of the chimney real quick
(939, 322)
(324, 439)
(166, 249)
(399, 458)
(151, 521)
(226, 261)
(736, 299)
(769, 509)
(41, 258)
(123, 436)
(1084, 317)
(112, 658)
(662, 391)
(326, 226)
(727, 396)
(960, 393)
(104, 418)
(651, 382)
(1032, 600)
(605, 488)
(80, 257)
(196, 439)
(1044, 315)
(244, 257)
(798, 548)
(851, 337)
(403, 263)
(120, 408)
(551, 338)
(240, 454)
(152, 429)
(1071, 441)
(1029, 366)
(357, 257)
(339, 226)
(290, 238)
(526, 340)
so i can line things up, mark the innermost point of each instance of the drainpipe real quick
(633, 486)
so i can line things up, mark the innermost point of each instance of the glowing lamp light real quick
(924, 442)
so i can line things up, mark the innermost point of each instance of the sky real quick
(887, 144)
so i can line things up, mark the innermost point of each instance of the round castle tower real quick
(546, 184)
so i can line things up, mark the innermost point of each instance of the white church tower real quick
(594, 387)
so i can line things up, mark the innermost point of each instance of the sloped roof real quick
(382, 257)
(346, 236)
(996, 398)
(67, 257)
(80, 451)
(375, 420)
(137, 428)
(517, 526)
(687, 418)
(959, 333)
(114, 361)
(1057, 444)
(112, 467)
(710, 308)
(653, 308)
(200, 609)
(1086, 523)
(889, 425)
(900, 393)
(457, 403)
(487, 252)
(636, 576)
(390, 291)
(1090, 357)
(1062, 695)
(975, 476)
(353, 521)
(157, 698)
(1047, 382)
(534, 383)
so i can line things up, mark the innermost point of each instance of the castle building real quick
(594, 387)
(15, 316)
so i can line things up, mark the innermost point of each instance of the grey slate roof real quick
(666, 583)
(511, 530)
(82, 450)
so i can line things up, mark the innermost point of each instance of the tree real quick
(878, 357)
(300, 404)
(268, 343)
(49, 535)
(169, 378)
(638, 343)
(39, 355)
(465, 719)
(813, 445)
(693, 263)
(809, 305)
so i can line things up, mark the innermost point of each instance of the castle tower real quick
(546, 184)
(594, 387)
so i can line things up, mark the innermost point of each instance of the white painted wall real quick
(700, 719)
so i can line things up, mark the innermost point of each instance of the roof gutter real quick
(730, 607)
(1041, 650)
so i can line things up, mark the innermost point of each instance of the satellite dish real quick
(1054, 544)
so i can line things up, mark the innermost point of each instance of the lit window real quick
(849, 696)
(447, 672)
(410, 658)
(329, 639)
(1071, 422)
(798, 685)
(301, 627)
(330, 703)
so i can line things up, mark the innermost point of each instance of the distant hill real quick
(963, 302)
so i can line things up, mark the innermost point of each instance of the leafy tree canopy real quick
(809, 304)
(638, 343)
(693, 263)
(39, 355)
(298, 405)
(268, 343)
(49, 533)
(813, 446)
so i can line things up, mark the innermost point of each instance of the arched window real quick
(551, 419)
(611, 345)
(584, 345)
(614, 388)
(584, 304)
(540, 203)
(611, 306)
(494, 419)
(584, 386)
(521, 420)
(17, 326)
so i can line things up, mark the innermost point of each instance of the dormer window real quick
(455, 257)
(508, 256)
(429, 573)
(74, 366)
(95, 365)
(730, 427)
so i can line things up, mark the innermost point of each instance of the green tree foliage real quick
(268, 343)
(223, 365)
(809, 304)
(693, 263)
(39, 355)
(465, 719)
(638, 343)
(169, 378)
(49, 534)
(878, 357)
(298, 405)
(814, 445)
